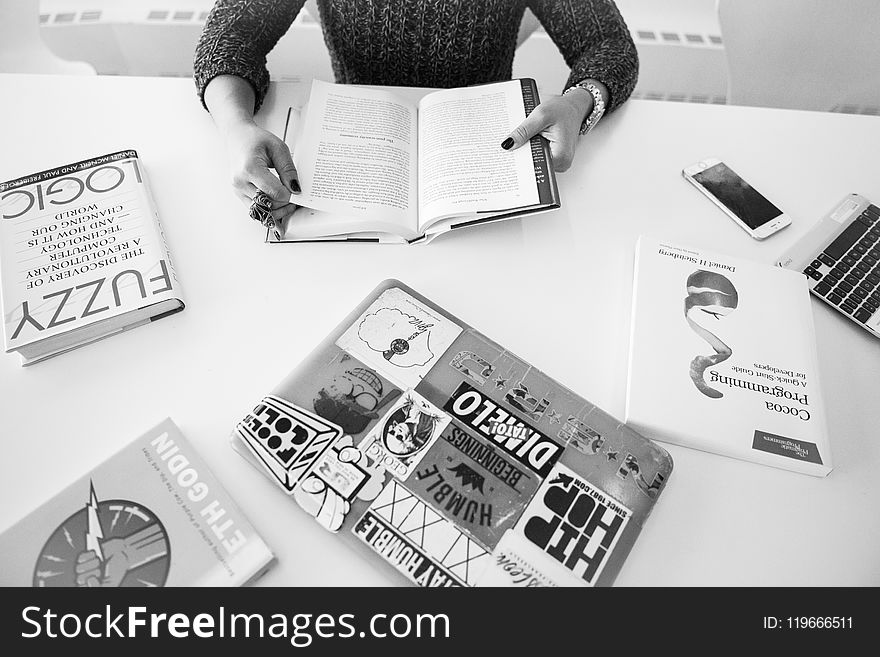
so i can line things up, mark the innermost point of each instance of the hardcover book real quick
(374, 165)
(153, 514)
(82, 256)
(448, 460)
(723, 358)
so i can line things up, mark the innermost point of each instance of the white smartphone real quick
(737, 198)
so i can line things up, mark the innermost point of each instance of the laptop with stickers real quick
(447, 459)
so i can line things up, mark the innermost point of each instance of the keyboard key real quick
(848, 307)
(863, 266)
(848, 260)
(834, 298)
(846, 287)
(846, 239)
(828, 260)
(860, 293)
(871, 260)
(867, 285)
(812, 273)
(871, 305)
(861, 249)
(875, 295)
(816, 264)
(858, 273)
(867, 241)
(873, 278)
(822, 288)
(875, 231)
(863, 316)
(875, 252)
(851, 277)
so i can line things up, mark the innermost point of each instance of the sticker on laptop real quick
(474, 483)
(286, 439)
(400, 440)
(411, 536)
(400, 337)
(518, 563)
(342, 473)
(574, 523)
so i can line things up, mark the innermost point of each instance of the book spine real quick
(540, 148)
(48, 174)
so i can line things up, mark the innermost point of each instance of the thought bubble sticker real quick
(400, 337)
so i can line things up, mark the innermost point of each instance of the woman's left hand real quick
(558, 119)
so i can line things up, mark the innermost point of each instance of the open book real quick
(376, 165)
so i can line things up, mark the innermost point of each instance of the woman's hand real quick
(252, 152)
(558, 119)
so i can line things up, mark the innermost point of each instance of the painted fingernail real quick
(294, 186)
(507, 143)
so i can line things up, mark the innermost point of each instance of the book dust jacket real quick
(150, 515)
(723, 358)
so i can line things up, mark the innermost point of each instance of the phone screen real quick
(737, 195)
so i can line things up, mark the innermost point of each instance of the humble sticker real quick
(473, 483)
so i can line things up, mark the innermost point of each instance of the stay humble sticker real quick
(400, 337)
(429, 550)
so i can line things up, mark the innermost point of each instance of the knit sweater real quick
(420, 43)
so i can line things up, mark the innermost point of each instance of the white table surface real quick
(554, 289)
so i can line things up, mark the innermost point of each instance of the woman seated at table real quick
(425, 43)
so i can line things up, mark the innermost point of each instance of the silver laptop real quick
(841, 259)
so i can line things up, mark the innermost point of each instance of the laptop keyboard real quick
(853, 281)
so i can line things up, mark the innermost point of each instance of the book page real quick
(355, 152)
(462, 167)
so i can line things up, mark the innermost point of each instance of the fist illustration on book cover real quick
(106, 543)
(709, 294)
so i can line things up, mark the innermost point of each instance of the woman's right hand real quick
(252, 153)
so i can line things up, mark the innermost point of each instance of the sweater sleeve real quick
(237, 36)
(594, 41)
